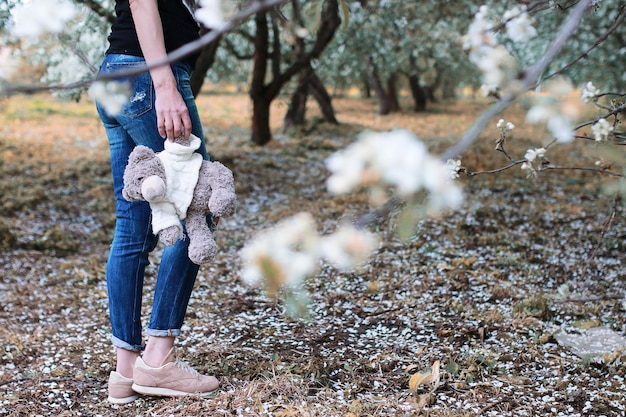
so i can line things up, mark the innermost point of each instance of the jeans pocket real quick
(141, 99)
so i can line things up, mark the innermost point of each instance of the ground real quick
(480, 292)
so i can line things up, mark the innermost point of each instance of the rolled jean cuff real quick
(163, 333)
(121, 344)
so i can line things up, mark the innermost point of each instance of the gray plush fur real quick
(214, 194)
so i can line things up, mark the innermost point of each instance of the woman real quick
(161, 107)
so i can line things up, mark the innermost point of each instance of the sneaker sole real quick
(167, 392)
(125, 400)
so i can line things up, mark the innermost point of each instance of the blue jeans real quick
(133, 239)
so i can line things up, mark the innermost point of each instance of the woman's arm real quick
(172, 113)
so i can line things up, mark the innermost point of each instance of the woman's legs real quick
(133, 239)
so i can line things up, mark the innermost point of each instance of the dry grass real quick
(477, 289)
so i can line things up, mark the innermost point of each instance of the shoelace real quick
(185, 367)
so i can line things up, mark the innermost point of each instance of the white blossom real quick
(39, 16)
(498, 67)
(519, 25)
(291, 251)
(391, 157)
(532, 154)
(396, 159)
(602, 129)
(453, 166)
(589, 92)
(552, 109)
(211, 14)
(348, 247)
(283, 255)
(496, 64)
(487, 90)
(111, 95)
(504, 126)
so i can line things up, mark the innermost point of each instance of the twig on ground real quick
(589, 299)
(606, 226)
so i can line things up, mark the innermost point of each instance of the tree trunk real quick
(418, 93)
(447, 89)
(296, 114)
(317, 89)
(309, 82)
(392, 93)
(261, 133)
(203, 64)
(430, 94)
(384, 104)
(365, 89)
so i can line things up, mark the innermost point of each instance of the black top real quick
(179, 28)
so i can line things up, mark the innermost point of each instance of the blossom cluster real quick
(292, 250)
(555, 111)
(530, 156)
(519, 25)
(396, 159)
(33, 18)
(589, 92)
(454, 167)
(211, 14)
(602, 130)
(498, 67)
(505, 127)
(494, 61)
(111, 95)
(285, 255)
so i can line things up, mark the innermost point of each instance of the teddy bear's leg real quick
(202, 246)
(171, 235)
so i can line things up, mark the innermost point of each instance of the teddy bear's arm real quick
(222, 202)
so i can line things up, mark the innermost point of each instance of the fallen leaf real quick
(422, 378)
(586, 324)
(419, 379)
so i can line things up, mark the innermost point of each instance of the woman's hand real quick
(172, 114)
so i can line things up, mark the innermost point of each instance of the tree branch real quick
(256, 6)
(616, 23)
(574, 168)
(531, 76)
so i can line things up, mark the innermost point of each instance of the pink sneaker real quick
(173, 378)
(120, 389)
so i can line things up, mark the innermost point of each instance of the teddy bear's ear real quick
(140, 153)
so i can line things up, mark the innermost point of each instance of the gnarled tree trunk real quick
(319, 92)
(296, 114)
(385, 103)
(418, 93)
(203, 64)
(392, 93)
(309, 83)
(263, 94)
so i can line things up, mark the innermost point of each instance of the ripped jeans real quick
(133, 239)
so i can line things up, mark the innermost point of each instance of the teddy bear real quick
(180, 185)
